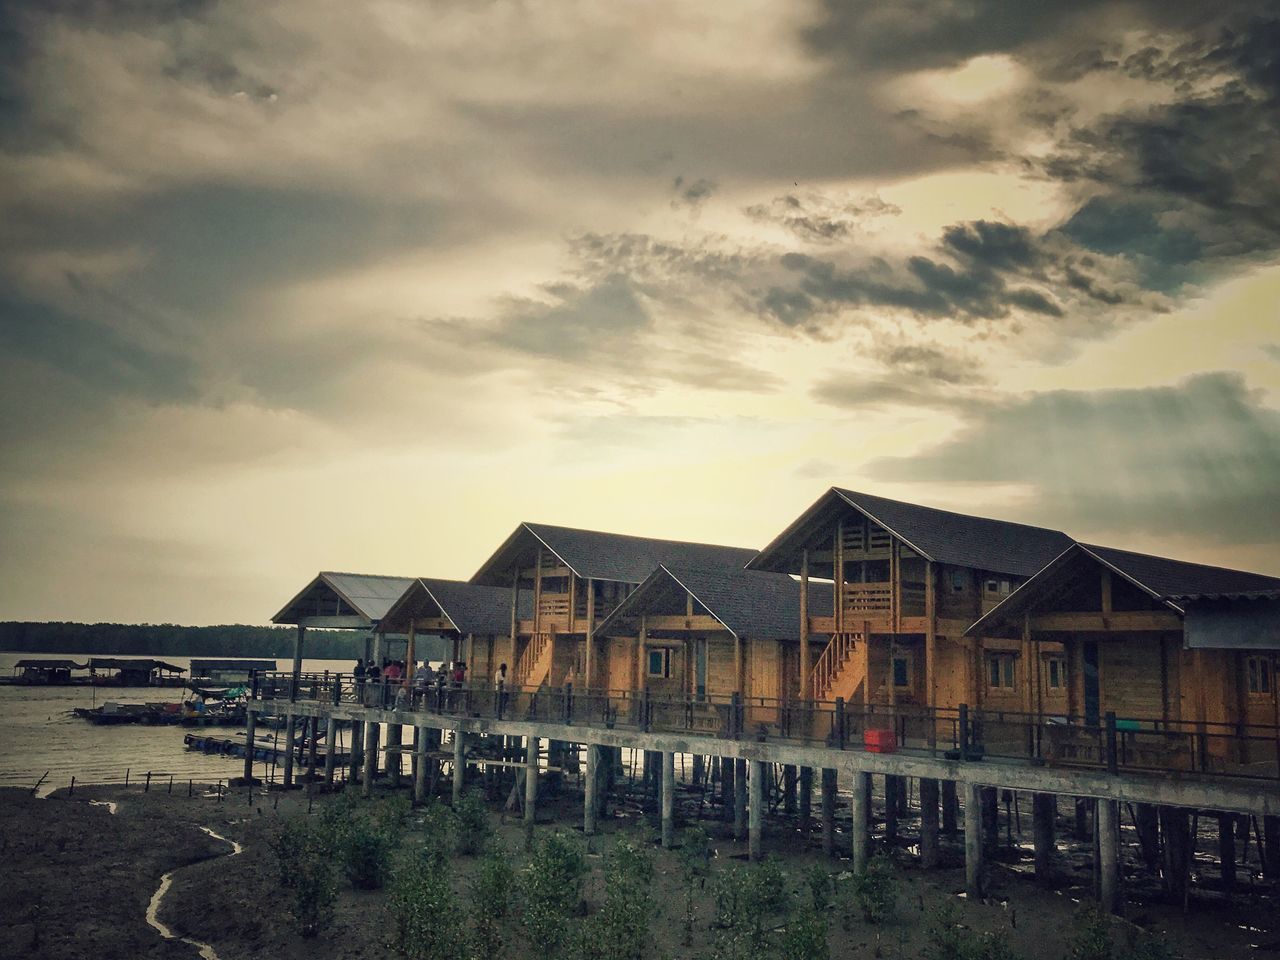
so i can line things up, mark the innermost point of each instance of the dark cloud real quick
(691, 193)
(1201, 457)
(816, 218)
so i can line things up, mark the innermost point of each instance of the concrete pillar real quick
(1175, 824)
(929, 797)
(789, 789)
(1044, 808)
(420, 744)
(699, 769)
(330, 749)
(531, 780)
(860, 839)
(395, 737)
(755, 843)
(1271, 846)
(727, 793)
(1083, 831)
(1146, 822)
(370, 757)
(990, 822)
(357, 750)
(1227, 850)
(312, 748)
(289, 741)
(1108, 855)
(668, 800)
(973, 840)
(250, 724)
(890, 809)
(950, 808)
(828, 811)
(806, 803)
(459, 763)
(740, 799)
(590, 805)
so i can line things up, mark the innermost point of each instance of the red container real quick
(880, 741)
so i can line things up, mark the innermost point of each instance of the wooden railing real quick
(553, 610)
(864, 598)
(831, 663)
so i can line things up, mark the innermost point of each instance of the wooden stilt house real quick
(472, 622)
(574, 579)
(341, 601)
(1163, 645)
(908, 581)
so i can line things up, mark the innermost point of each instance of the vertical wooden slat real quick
(805, 686)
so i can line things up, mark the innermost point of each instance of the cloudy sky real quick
(300, 285)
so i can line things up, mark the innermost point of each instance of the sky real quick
(301, 285)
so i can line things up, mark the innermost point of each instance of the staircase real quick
(534, 664)
(834, 675)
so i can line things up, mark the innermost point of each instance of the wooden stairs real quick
(838, 671)
(533, 666)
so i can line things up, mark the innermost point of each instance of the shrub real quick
(819, 882)
(695, 863)
(806, 936)
(948, 939)
(747, 898)
(425, 911)
(304, 851)
(620, 929)
(551, 893)
(491, 888)
(875, 892)
(366, 848)
(471, 819)
(440, 832)
(1093, 935)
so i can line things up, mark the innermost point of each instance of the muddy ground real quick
(77, 881)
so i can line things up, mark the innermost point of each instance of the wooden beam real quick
(431, 625)
(806, 662)
(1119, 621)
(677, 622)
(1106, 590)
(930, 636)
(537, 592)
(591, 632)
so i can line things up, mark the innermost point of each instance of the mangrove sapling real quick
(425, 910)
(619, 930)
(304, 853)
(748, 899)
(471, 818)
(366, 848)
(874, 893)
(695, 864)
(550, 889)
(1092, 940)
(491, 887)
(805, 937)
(819, 880)
(439, 832)
(949, 939)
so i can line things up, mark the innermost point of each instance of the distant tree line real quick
(167, 639)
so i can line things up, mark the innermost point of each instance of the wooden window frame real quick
(1056, 663)
(1260, 679)
(1002, 667)
(906, 670)
(664, 672)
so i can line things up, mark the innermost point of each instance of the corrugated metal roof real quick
(999, 546)
(603, 556)
(749, 603)
(367, 595)
(470, 607)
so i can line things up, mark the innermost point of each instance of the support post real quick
(370, 757)
(929, 796)
(330, 749)
(755, 830)
(1044, 806)
(590, 805)
(806, 803)
(739, 799)
(459, 763)
(395, 737)
(357, 749)
(420, 767)
(727, 788)
(860, 838)
(250, 722)
(973, 840)
(296, 677)
(891, 790)
(290, 736)
(531, 780)
(1227, 850)
(789, 789)
(668, 799)
(828, 811)
(1108, 856)
(950, 808)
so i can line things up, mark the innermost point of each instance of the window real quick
(959, 579)
(1000, 671)
(901, 672)
(660, 663)
(1259, 675)
(1002, 587)
(1056, 672)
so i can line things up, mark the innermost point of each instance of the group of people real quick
(392, 676)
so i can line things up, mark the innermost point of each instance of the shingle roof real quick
(1166, 578)
(747, 602)
(940, 535)
(604, 556)
(370, 596)
(1163, 579)
(471, 608)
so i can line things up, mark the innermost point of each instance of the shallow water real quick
(39, 734)
(153, 908)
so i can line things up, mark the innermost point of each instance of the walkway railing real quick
(1109, 743)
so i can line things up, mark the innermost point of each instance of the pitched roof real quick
(747, 602)
(603, 556)
(366, 595)
(940, 535)
(470, 607)
(1163, 579)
